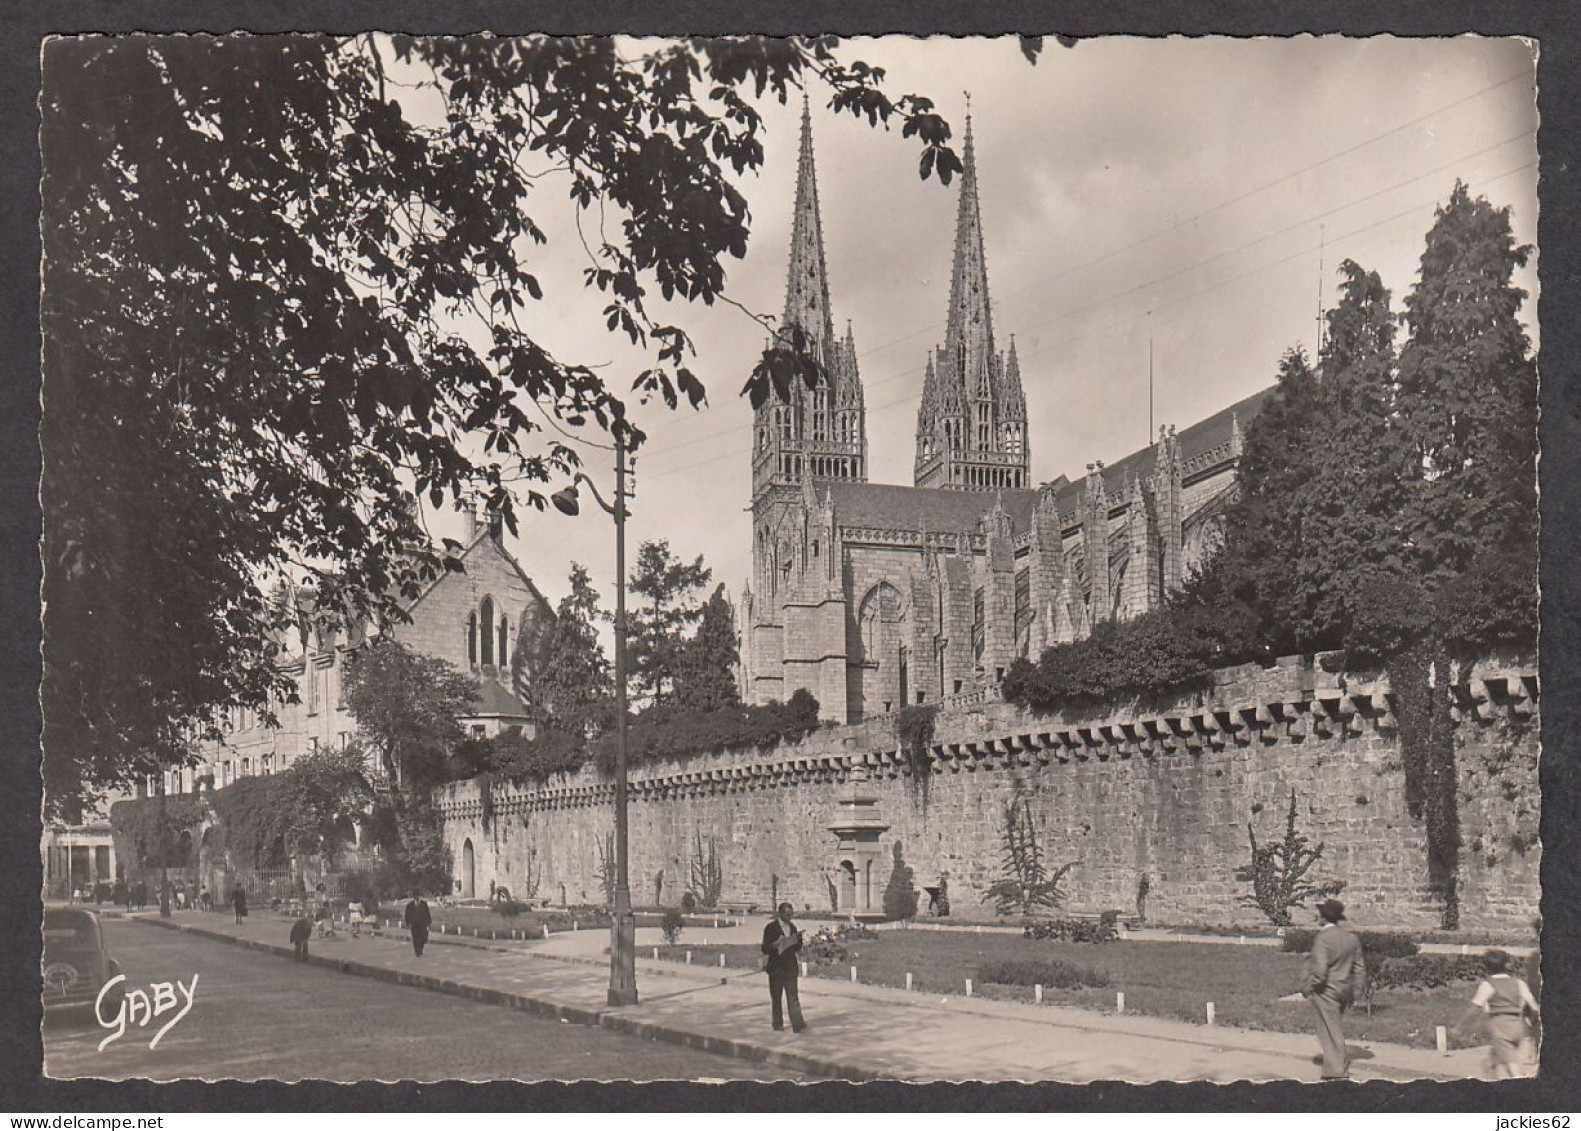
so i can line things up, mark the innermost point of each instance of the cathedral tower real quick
(801, 441)
(818, 433)
(972, 424)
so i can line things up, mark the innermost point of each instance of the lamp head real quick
(565, 501)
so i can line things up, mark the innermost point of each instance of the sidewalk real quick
(857, 1031)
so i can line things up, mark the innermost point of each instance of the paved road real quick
(257, 1016)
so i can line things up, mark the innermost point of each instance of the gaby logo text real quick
(142, 1008)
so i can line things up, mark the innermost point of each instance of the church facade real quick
(876, 596)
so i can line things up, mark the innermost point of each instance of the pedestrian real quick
(140, 894)
(1335, 970)
(418, 920)
(301, 931)
(1504, 1002)
(239, 903)
(781, 948)
(120, 896)
(1534, 982)
(205, 900)
(76, 895)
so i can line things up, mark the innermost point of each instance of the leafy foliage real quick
(914, 732)
(705, 679)
(672, 925)
(1278, 872)
(708, 874)
(409, 833)
(1026, 884)
(1385, 500)
(570, 688)
(407, 705)
(519, 759)
(249, 323)
(136, 826)
(668, 732)
(1427, 971)
(664, 613)
(1377, 946)
(1049, 972)
(1072, 930)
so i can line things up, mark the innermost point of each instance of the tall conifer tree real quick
(706, 680)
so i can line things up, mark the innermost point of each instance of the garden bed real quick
(1175, 981)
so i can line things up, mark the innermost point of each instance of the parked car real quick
(76, 964)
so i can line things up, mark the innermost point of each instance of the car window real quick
(76, 931)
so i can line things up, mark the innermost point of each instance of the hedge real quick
(1071, 930)
(1051, 972)
(1375, 945)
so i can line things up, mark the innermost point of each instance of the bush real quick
(670, 732)
(509, 908)
(1427, 971)
(1072, 930)
(671, 925)
(1024, 972)
(688, 902)
(1376, 946)
(520, 759)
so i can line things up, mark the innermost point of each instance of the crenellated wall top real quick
(1295, 700)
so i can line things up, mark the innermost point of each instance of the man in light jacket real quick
(1335, 972)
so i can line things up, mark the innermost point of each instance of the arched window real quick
(505, 641)
(472, 640)
(487, 617)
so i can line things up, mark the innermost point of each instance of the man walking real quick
(418, 920)
(1334, 972)
(239, 902)
(781, 947)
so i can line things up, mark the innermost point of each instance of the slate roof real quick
(935, 510)
(1200, 437)
(494, 700)
(932, 510)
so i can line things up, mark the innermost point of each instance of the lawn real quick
(1159, 979)
(485, 922)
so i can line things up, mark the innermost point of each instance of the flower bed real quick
(1173, 980)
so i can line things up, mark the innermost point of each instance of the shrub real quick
(688, 902)
(509, 908)
(1072, 930)
(668, 731)
(1050, 972)
(1427, 971)
(1279, 872)
(1025, 884)
(1376, 946)
(671, 925)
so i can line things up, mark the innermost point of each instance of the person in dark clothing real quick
(418, 920)
(140, 894)
(301, 931)
(239, 902)
(782, 949)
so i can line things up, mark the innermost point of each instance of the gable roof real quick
(483, 535)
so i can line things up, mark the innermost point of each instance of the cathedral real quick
(876, 596)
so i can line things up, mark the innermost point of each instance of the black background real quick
(22, 1088)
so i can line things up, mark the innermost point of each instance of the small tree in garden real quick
(671, 925)
(708, 875)
(606, 868)
(1278, 872)
(1026, 884)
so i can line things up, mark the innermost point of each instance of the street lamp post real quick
(623, 931)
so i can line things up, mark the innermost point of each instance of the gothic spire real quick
(969, 341)
(807, 283)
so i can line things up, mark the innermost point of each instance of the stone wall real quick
(1155, 789)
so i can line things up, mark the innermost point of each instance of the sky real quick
(1195, 194)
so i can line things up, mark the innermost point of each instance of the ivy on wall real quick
(914, 727)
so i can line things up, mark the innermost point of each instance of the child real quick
(301, 931)
(1504, 1001)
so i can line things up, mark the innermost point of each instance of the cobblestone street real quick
(259, 1016)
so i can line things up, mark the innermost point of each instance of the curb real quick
(606, 1019)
